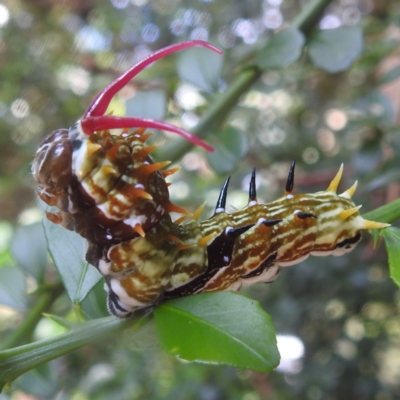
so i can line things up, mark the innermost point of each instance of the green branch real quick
(224, 103)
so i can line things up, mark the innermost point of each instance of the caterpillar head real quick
(105, 185)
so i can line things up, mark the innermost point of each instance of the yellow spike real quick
(346, 213)
(374, 225)
(198, 212)
(168, 172)
(335, 182)
(182, 219)
(139, 230)
(150, 168)
(92, 148)
(174, 208)
(109, 170)
(348, 194)
(181, 244)
(204, 240)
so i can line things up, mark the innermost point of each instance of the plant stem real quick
(223, 104)
(19, 360)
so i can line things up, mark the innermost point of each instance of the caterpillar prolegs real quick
(107, 188)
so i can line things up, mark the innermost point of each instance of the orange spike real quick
(198, 212)
(174, 208)
(168, 172)
(139, 131)
(181, 244)
(141, 193)
(204, 240)
(112, 153)
(146, 151)
(168, 184)
(139, 230)
(145, 136)
(150, 168)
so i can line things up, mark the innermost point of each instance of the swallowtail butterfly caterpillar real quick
(108, 189)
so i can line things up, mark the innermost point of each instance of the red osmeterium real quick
(104, 122)
(94, 118)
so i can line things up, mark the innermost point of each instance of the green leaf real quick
(218, 328)
(13, 288)
(68, 252)
(29, 249)
(150, 104)
(283, 49)
(231, 145)
(200, 67)
(392, 241)
(387, 213)
(334, 50)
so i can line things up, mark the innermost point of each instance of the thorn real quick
(374, 225)
(220, 207)
(234, 233)
(335, 182)
(198, 211)
(304, 215)
(348, 194)
(92, 148)
(290, 179)
(139, 230)
(252, 188)
(109, 170)
(174, 208)
(346, 213)
(147, 150)
(171, 171)
(112, 152)
(181, 244)
(150, 168)
(141, 193)
(143, 136)
(271, 222)
(202, 242)
(140, 131)
(182, 219)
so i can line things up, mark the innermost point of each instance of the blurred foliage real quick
(55, 56)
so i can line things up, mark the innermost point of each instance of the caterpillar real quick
(106, 187)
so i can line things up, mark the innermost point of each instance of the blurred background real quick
(337, 318)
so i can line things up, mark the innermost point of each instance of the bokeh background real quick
(337, 318)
